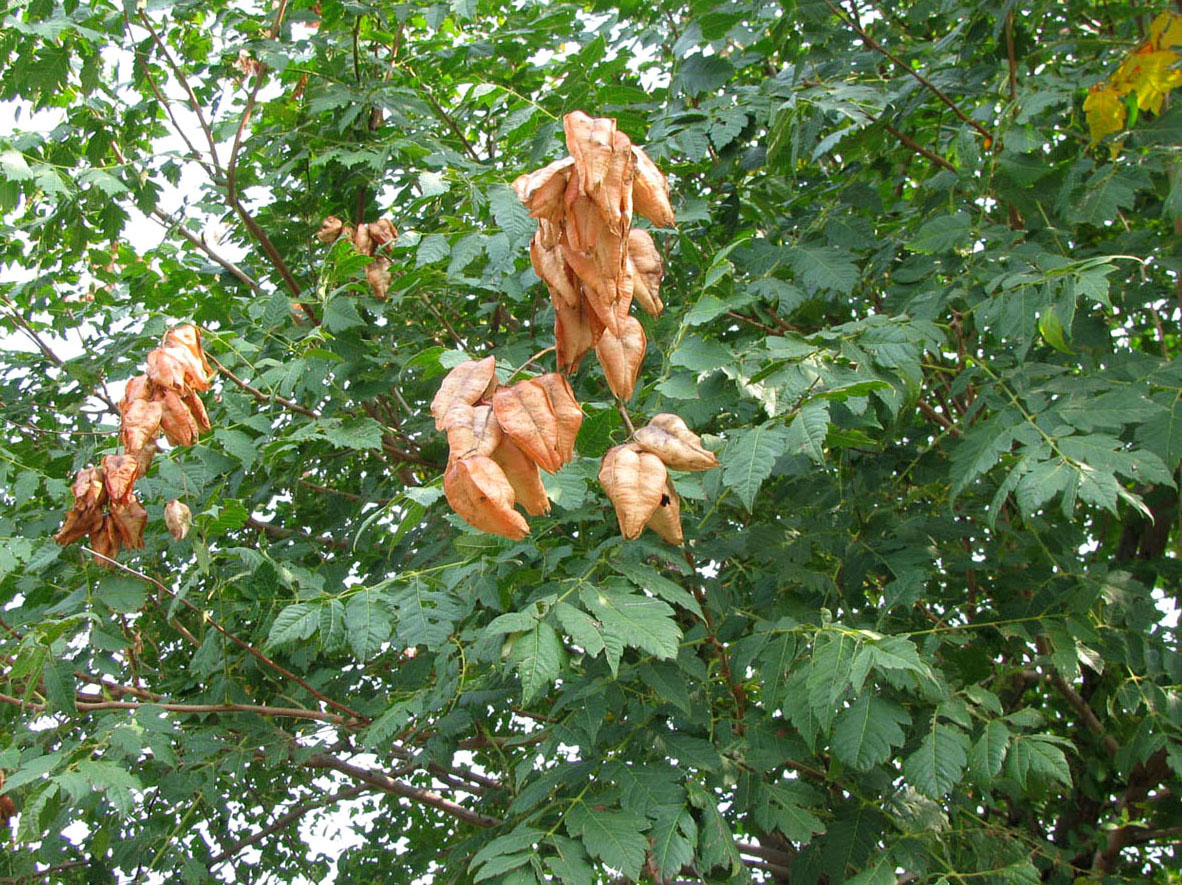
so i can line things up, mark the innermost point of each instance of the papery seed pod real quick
(553, 270)
(604, 159)
(598, 291)
(478, 490)
(197, 409)
(621, 357)
(523, 474)
(189, 336)
(377, 274)
(362, 241)
(119, 474)
(635, 481)
(650, 191)
(177, 422)
(138, 389)
(566, 410)
(195, 377)
(667, 437)
(143, 458)
(647, 270)
(469, 382)
(576, 331)
(541, 191)
(129, 520)
(382, 231)
(89, 488)
(178, 518)
(666, 519)
(165, 370)
(527, 418)
(471, 430)
(105, 542)
(7, 806)
(79, 524)
(330, 229)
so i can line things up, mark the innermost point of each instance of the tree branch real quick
(387, 784)
(268, 398)
(906, 68)
(190, 709)
(281, 534)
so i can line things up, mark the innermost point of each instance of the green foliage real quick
(920, 626)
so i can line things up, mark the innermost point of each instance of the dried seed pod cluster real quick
(366, 239)
(499, 438)
(593, 262)
(636, 478)
(162, 400)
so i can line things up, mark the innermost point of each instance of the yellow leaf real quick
(1166, 30)
(1104, 110)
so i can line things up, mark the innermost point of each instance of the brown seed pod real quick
(524, 476)
(165, 370)
(331, 228)
(138, 388)
(79, 523)
(178, 518)
(377, 274)
(650, 191)
(635, 481)
(576, 331)
(541, 190)
(189, 336)
(129, 520)
(120, 473)
(177, 422)
(362, 241)
(553, 270)
(382, 231)
(621, 357)
(481, 494)
(666, 519)
(647, 270)
(566, 410)
(527, 418)
(603, 156)
(471, 430)
(141, 424)
(105, 542)
(469, 382)
(667, 437)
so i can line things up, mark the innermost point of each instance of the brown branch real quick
(190, 709)
(184, 83)
(908, 142)
(262, 397)
(212, 171)
(906, 68)
(623, 410)
(1076, 701)
(281, 534)
(387, 784)
(1012, 55)
(245, 646)
(45, 873)
(199, 242)
(280, 822)
(724, 663)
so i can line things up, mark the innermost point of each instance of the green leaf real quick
(749, 458)
(674, 836)
(865, 733)
(13, 166)
(633, 620)
(937, 766)
(943, 234)
(510, 215)
(615, 836)
(360, 434)
(368, 624)
(824, 267)
(1034, 757)
(294, 624)
(647, 578)
(807, 432)
(581, 628)
(341, 314)
(988, 753)
(785, 807)
(538, 657)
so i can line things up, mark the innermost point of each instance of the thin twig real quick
(387, 784)
(905, 67)
(260, 395)
(199, 242)
(245, 646)
(280, 533)
(190, 709)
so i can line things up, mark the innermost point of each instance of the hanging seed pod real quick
(666, 519)
(647, 270)
(178, 518)
(621, 357)
(469, 382)
(527, 418)
(553, 270)
(377, 274)
(119, 475)
(667, 437)
(177, 422)
(478, 490)
(524, 476)
(541, 191)
(129, 520)
(165, 370)
(330, 229)
(105, 542)
(635, 481)
(576, 331)
(472, 430)
(565, 408)
(141, 424)
(189, 337)
(382, 231)
(650, 191)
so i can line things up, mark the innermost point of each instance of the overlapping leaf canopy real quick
(918, 629)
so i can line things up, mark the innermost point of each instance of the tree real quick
(924, 303)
